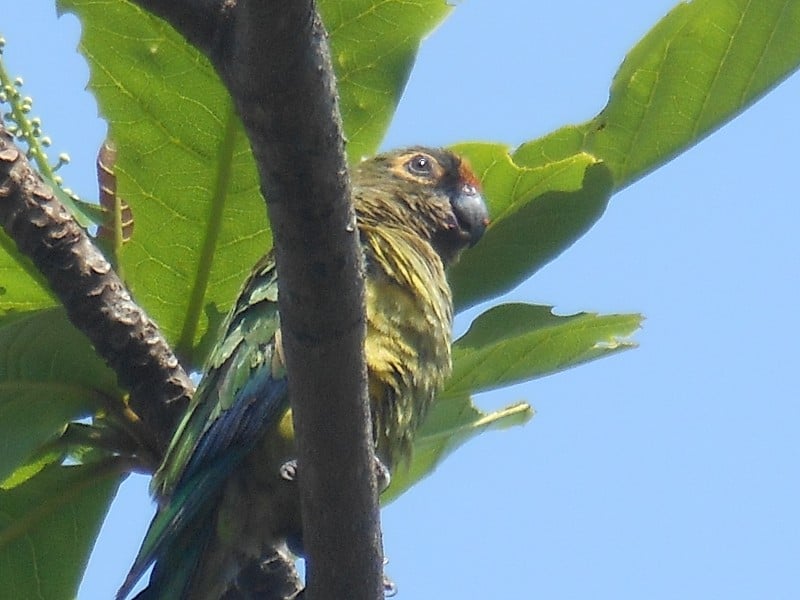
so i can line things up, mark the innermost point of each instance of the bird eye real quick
(420, 165)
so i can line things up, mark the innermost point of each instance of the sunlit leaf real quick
(505, 345)
(536, 212)
(184, 164)
(373, 45)
(511, 343)
(699, 67)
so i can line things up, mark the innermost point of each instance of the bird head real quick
(430, 192)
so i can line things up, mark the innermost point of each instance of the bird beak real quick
(471, 212)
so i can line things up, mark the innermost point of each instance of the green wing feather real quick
(247, 346)
(242, 392)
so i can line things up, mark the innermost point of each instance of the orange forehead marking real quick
(467, 175)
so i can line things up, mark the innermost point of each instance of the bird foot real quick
(383, 476)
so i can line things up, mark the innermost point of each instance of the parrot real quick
(225, 488)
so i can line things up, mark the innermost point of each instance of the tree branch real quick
(274, 59)
(272, 577)
(95, 299)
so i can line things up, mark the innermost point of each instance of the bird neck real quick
(401, 260)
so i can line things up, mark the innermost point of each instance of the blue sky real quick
(670, 471)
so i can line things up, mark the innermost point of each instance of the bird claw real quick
(383, 476)
(288, 470)
(389, 587)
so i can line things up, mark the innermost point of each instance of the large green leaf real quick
(184, 167)
(705, 62)
(184, 164)
(48, 526)
(536, 212)
(699, 67)
(49, 375)
(373, 46)
(516, 342)
(505, 345)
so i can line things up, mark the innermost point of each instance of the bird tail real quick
(176, 540)
(173, 574)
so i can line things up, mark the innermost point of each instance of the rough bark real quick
(95, 299)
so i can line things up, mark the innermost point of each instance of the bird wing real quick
(242, 392)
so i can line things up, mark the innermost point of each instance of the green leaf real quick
(49, 375)
(450, 423)
(506, 345)
(31, 468)
(705, 62)
(22, 287)
(373, 46)
(184, 166)
(48, 526)
(201, 223)
(699, 67)
(536, 212)
(511, 343)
